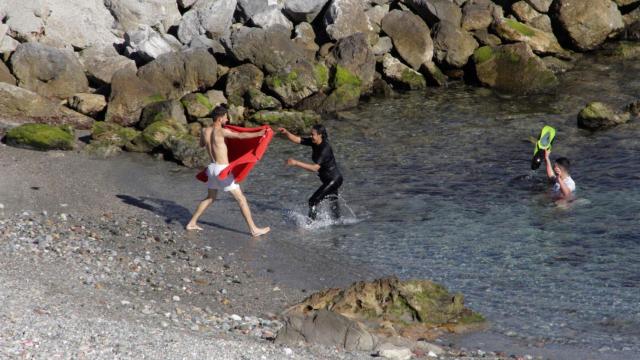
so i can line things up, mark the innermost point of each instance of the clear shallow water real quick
(441, 187)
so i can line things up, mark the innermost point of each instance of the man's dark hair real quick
(320, 129)
(218, 112)
(564, 162)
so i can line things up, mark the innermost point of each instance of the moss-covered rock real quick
(168, 110)
(321, 73)
(482, 54)
(402, 75)
(159, 132)
(539, 41)
(343, 97)
(102, 149)
(112, 133)
(197, 105)
(294, 84)
(343, 76)
(597, 115)
(260, 101)
(296, 121)
(240, 79)
(186, 149)
(41, 137)
(139, 144)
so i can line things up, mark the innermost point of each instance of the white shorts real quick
(228, 184)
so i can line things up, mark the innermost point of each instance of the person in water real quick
(563, 184)
(212, 138)
(324, 164)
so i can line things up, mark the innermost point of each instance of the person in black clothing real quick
(324, 163)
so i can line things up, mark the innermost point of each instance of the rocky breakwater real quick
(143, 76)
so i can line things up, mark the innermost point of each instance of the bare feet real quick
(260, 231)
(191, 227)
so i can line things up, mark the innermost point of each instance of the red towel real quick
(243, 153)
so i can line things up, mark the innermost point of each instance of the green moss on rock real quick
(112, 133)
(413, 79)
(482, 54)
(155, 98)
(41, 137)
(343, 77)
(321, 73)
(297, 121)
(158, 132)
(520, 27)
(102, 149)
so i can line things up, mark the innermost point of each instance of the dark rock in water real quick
(587, 23)
(48, 71)
(381, 89)
(5, 75)
(313, 102)
(452, 45)
(434, 11)
(513, 68)
(597, 115)
(353, 53)
(168, 110)
(326, 328)
(240, 80)
(41, 137)
(557, 65)
(410, 37)
(433, 74)
(634, 108)
(624, 50)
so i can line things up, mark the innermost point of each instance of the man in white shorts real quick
(212, 138)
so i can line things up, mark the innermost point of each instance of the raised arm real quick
(550, 174)
(293, 138)
(241, 135)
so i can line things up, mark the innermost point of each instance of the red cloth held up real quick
(243, 153)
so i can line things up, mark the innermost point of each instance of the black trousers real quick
(328, 190)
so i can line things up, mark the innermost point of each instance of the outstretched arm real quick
(239, 135)
(293, 138)
(550, 174)
(303, 165)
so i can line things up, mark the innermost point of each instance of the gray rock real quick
(542, 22)
(148, 44)
(626, 2)
(294, 82)
(271, 17)
(557, 65)
(541, 5)
(186, 4)
(375, 16)
(132, 13)
(305, 38)
(167, 110)
(21, 106)
(587, 23)
(486, 38)
(433, 74)
(410, 37)
(383, 46)
(260, 101)
(452, 45)
(5, 74)
(513, 68)
(203, 42)
(326, 328)
(210, 17)
(392, 352)
(402, 75)
(25, 18)
(197, 105)
(541, 42)
(354, 54)
(216, 97)
(48, 71)
(346, 17)
(8, 44)
(129, 94)
(88, 104)
(477, 14)
(523, 11)
(186, 149)
(101, 63)
(240, 80)
(303, 10)
(251, 8)
(433, 11)
(596, 116)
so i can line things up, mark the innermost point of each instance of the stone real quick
(186, 4)
(107, 133)
(383, 46)
(236, 114)
(197, 105)
(216, 97)
(100, 63)
(186, 149)
(588, 23)
(381, 89)
(433, 74)
(477, 15)
(271, 17)
(401, 74)
(129, 94)
(343, 97)
(411, 37)
(102, 150)
(8, 44)
(41, 137)
(210, 17)
(486, 38)
(452, 45)
(159, 132)
(296, 82)
(313, 102)
(626, 2)
(344, 18)
(303, 10)
(167, 110)
(19, 106)
(132, 13)
(513, 68)
(250, 8)
(433, 11)
(539, 41)
(5, 74)
(556, 65)
(48, 71)
(203, 42)
(295, 121)
(392, 352)
(328, 329)
(375, 16)
(523, 11)
(541, 5)
(25, 18)
(88, 104)
(542, 22)
(260, 101)
(240, 79)
(596, 116)
(353, 54)
(147, 43)
(305, 38)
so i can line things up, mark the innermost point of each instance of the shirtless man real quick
(212, 138)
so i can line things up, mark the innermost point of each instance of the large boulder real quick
(270, 17)
(541, 5)
(88, 104)
(160, 132)
(132, 13)
(597, 115)
(326, 328)
(5, 74)
(19, 106)
(402, 75)
(25, 18)
(101, 63)
(296, 121)
(167, 110)
(129, 94)
(48, 71)
(524, 11)
(587, 23)
(197, 105)
(211, 17)
(41, 137)
(346, 17)
(296, 82)
(186, 149)
(240, 80)
(305, 38)
(434, 11)
(411, 37)
(477, 14)
(354, 54)
(147, 43)
(513, 68)
(303, 10)
(261, 101)
(452, 45)
(112, 133)
(539, 41)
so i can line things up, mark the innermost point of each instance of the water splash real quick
(300, 219)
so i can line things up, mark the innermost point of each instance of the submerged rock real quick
(41, 137)
(597, 115)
